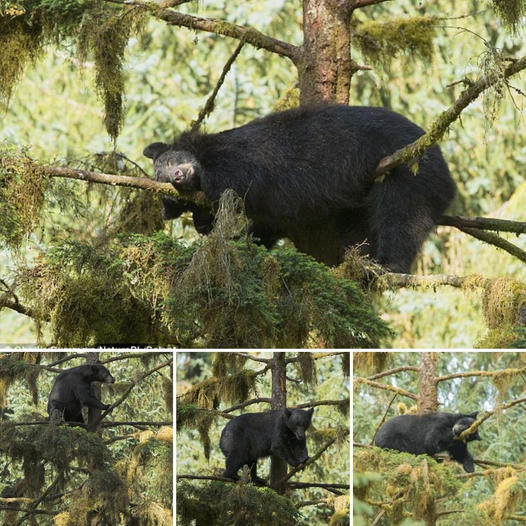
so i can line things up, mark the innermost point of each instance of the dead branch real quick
(127, 392)
(383, 418)
(321, 402)
(210, 103)
(357, 4)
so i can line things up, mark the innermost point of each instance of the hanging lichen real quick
(22, 187)
(104, 494)
(106, 37)
(411, 37)
(509, 494)
(370, 362)
(493, 66)
(100, 30)
(307, 367)
(510, 12)
(504, 307)
(227, 363)
(148, 474)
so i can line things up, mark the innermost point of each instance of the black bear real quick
(307, 174)
(254, 435)
(72, 390)
(428, 434)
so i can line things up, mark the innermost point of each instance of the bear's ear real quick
(155, 149)
(287, 412)
(310, 411)
(474, 414)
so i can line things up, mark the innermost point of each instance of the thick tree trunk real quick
(427, 383)
(278, 467)
(325, 68)
(93, 414)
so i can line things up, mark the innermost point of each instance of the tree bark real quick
(93, 414)
(278, 467)
(325, 67)
(427, 383)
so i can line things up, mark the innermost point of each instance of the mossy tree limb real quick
(413, 151)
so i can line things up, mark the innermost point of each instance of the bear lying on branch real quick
(429, 434)
(308, 174)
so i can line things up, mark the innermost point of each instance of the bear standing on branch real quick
(429, 434)
(251, 436)
(72, 390)
(308, 174)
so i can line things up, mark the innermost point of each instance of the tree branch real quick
(203, 477)
(395, 280)
(219, 27)
(328, 487)
(484, 223)
(127, 392)
(254, 358)
(311, 460)
(383, 418)
(394, 371)
(387, 387)
(321, 402)
(480, 373)
(356, 4)
(248, 402)
(486, 415)
(494, 239)
(416, 149)
(210, 103)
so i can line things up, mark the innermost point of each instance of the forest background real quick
(169, 72)
(414, 490)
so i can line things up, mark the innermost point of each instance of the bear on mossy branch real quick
(308, 174)
(429, 434)
(251, 436)
(72, 390)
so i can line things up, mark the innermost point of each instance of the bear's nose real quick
(178, 176)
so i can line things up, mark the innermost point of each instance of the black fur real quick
(72, 390)
(254, 435)
(305, 174)
(429, 434)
